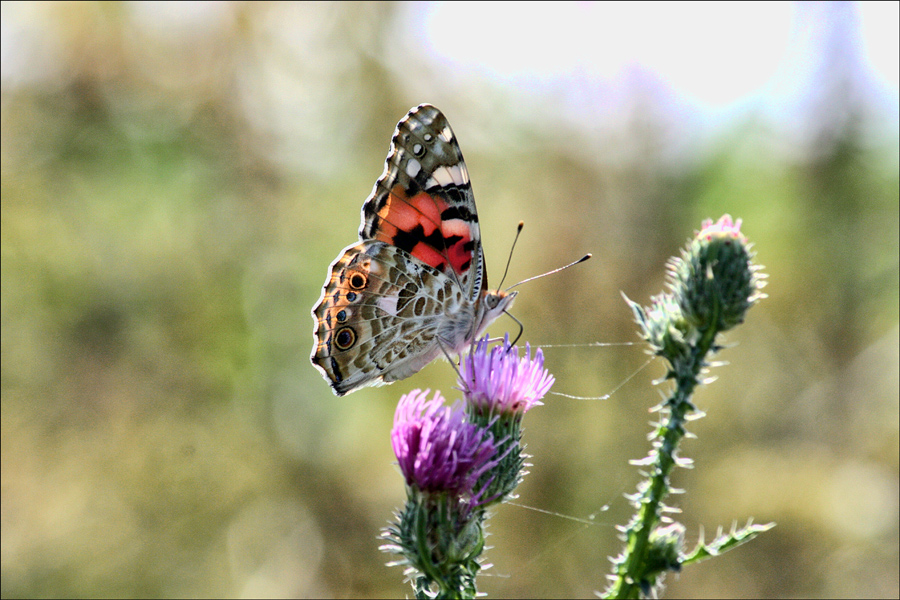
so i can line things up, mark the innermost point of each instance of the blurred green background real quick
(176, 179)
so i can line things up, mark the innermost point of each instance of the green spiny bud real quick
(666, 544)
(715, 282)
(663, 326)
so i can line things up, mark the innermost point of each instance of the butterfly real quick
(415, 286)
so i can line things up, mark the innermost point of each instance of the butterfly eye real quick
(358, 281)
(345, 338)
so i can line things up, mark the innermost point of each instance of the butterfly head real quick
(496, 302)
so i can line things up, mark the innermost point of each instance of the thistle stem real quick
(631, 577)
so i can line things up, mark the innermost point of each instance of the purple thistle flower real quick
(498, 381)
(438, 451)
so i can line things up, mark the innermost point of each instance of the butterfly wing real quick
(418, 261)
(423, 202)
(378, 317)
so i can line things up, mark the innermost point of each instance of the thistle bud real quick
(715, 281)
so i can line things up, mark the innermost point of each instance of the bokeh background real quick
(177, 177)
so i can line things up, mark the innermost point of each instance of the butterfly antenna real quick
(572, 264)
(509, 260)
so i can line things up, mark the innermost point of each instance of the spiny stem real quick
(629, 581)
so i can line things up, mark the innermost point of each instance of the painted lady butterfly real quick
(414, 287)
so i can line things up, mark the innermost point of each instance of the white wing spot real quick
(388, 304)
(446, 134)
(459, 175)
(412, 168)
(445, 176)
(427, 137)
(417, 149)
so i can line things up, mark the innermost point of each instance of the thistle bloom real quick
(439, 535)
(437, 449)
(498, 381)
(499, 388)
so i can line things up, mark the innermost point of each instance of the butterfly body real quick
(414, 287)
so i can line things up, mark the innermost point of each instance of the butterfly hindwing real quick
(379, 316)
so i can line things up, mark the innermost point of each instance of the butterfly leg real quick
(519, 335)
(450, 360)
(519, 323)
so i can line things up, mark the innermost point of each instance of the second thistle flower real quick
(499, 387)
(497, 381)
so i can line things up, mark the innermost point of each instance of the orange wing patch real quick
(416, 225)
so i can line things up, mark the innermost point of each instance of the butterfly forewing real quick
(423, 202)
